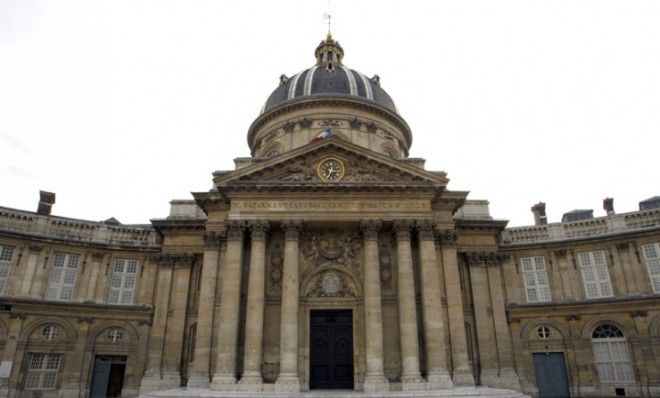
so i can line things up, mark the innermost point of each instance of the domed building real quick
(330, 260)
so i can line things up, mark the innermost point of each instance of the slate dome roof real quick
(329, 77)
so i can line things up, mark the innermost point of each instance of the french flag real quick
(323, 134)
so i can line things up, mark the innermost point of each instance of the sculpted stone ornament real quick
(275, 272)
(386, 273)
(484, 258)
(330, 247)
(357, 173)
(330, 284)
(426, 229)
(299, 173)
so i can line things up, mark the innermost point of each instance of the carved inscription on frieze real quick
(328, 205)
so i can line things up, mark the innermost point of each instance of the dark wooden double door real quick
(331, 349)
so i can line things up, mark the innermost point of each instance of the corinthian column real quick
(288, 381)
(434, 326)
(225, 373)
(375, 377)
(410, 376)
(254, 318)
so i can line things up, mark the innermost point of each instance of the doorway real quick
(331, 349)
(108, 376)
(551, 376)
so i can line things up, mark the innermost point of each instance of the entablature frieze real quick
(484, 258)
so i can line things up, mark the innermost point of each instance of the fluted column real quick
(461, 372)
(254, 318)
(434, 326)
(375, 376)
(200, 375)
(288, 380)
(410, 375)
(225, 373)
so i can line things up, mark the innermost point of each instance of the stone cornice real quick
(592, 306)
(328, 100)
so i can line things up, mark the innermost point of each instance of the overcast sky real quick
(121, 106)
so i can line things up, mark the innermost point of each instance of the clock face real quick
(331, 170)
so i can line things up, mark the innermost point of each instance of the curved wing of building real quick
(329, 259)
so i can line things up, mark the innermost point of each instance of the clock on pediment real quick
(330, 170)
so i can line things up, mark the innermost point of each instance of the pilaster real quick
(434, 327)
(461, 372)
(225, 373)
(200, 375)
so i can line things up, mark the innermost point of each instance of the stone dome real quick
(329, 77)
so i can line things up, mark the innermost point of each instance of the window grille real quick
(652, 258)
(595, 275)
(42, 371)
(115, 335)
(543, 333)
(50, 332)
(122, 282)
(611, 354)
(6, 254)
(535, 278)
(63, 274)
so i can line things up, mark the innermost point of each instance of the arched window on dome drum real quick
(611, 354)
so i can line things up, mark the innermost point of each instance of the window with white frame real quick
(595, 274)
(6, 255)
(42, 371)
(63, 274)
(535, 278)
(611, 354)
(122, 282)
(652, 259)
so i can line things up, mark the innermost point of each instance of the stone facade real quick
(219, 294)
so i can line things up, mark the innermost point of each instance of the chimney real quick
(608, 205)
(539, 214)
(46, 201)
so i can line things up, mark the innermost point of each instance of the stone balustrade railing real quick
(68, 229)
(600, 226)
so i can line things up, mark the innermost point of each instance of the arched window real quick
(611, 354)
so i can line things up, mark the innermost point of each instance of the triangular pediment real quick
(331, 162)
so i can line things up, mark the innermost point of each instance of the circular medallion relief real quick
(331, 170)
(330, 283)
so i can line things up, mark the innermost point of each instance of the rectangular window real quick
(122, 282)
(652, 259)
(63, 274)
(42, 371)
(595, 275)
(6, 255)
(535, 278)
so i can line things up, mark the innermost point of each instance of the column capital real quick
(447, 237)
(235, 230)
(426, 229)
(370, 229)
(259, 229)
(213, 239)
(292, 229)
(402, 229)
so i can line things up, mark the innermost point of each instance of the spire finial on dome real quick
(329, 53)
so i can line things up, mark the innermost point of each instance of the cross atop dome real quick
(329, 53)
